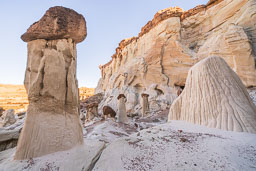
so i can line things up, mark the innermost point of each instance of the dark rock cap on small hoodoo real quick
(58, 23)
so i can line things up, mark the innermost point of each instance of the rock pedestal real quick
(214, 96)
(122, 115)
(145, 104)
(52, 123)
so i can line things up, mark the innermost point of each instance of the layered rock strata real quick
(158, 60)
(52, 123)
(214, 96)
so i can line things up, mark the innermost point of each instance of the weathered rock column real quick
(122, 115)
(145, 104)
(52, 123)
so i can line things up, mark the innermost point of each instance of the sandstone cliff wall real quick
(158, 59)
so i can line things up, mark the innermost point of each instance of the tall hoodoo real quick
(52, 122)
(145, 104)
(122, 115)
(92, 111)
(214, 96)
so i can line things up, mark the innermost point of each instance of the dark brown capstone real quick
(58, 23)
(109, 111)
(144, 95)
(120, 96)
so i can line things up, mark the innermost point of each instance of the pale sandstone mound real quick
(52, 123)
(169, 45)
(214, 96)
(79, 158)
(58, 23)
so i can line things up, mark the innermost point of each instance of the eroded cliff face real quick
(158, 60)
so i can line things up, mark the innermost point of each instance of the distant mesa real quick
(58, 23)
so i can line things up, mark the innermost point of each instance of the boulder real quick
(58, 23)
(81, 157)
(215, 96)
(8, 118)
(108, 111)
(92, 111)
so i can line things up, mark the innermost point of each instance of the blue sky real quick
(108, 22)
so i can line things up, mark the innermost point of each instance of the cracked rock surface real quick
(52, 122)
